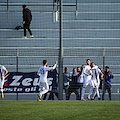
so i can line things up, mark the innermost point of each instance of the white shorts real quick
(94, 83)
(1, 83)
(44, 85)
(86, 83)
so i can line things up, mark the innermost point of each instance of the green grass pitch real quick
(60, 110)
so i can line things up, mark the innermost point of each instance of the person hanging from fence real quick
(3, 72)
(27, 18)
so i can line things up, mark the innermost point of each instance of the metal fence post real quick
(53, 11)
(103, 67)
(7, 6)
(60, 88)
(17, 68)
(104, 59)
(76, 9)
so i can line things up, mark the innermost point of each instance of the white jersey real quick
(95, 77)
(2, 71)
(43, 72)
(80, 79)
(96, 71)
(86, 72)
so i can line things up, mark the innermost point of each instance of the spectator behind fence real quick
(78, 69)
(74, 85)
(66, 79)
(27, 18)
(80, 80)
(107, 82)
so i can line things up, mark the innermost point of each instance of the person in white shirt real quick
(43, 72)
(3, 72)
(86, 77)
(94, 81)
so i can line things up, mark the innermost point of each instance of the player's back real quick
(43, 74)
(95, 71)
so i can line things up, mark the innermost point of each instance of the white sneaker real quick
(31, 36)
(83, 100)
(25, 37)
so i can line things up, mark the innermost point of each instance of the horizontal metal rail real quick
(63, 29)
(36, 4)
(54, 48)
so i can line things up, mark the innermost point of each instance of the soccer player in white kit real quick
(94, 81)
(3, 72)
(43, 72)
(86, 77)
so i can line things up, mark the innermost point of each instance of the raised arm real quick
(51, 68)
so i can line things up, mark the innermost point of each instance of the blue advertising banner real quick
(17, 82)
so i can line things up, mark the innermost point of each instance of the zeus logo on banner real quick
(24, 82)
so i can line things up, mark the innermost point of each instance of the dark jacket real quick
(74, 84)
(27, 16)
(107, 78)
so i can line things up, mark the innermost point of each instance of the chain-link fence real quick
(90, 30)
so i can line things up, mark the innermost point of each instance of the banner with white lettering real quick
(17, 82)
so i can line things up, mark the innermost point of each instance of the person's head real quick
(24, 6)
(82, 66)
(74, 70)
(92, 64)
(66, 69)
(88, 61)
(44, 62)
(78, 69)
(107, 69)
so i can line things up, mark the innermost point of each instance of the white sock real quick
(83, 92)
(43, 92)
(97, 91)
(1, 90)
(94, 93)
(90, 91)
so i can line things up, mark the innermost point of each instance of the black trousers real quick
(71, 90)
(108, 88)
(51, 96)
(81, 86)
(27, 26)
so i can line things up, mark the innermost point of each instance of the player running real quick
(94, 81)
(43, 72)
(86, 77)
(3, 72)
